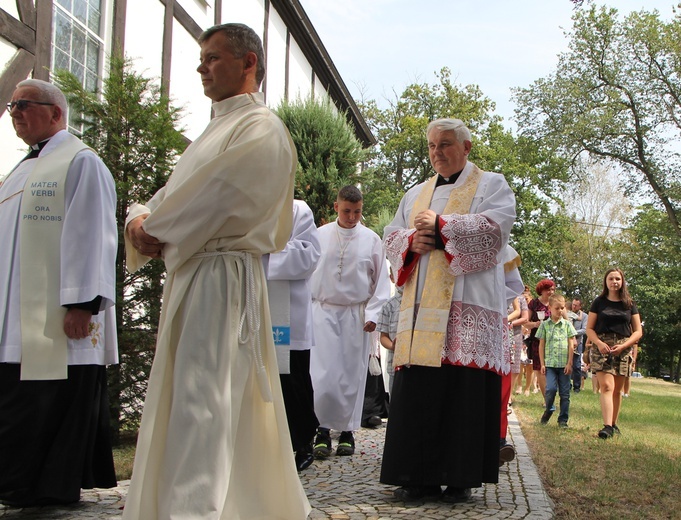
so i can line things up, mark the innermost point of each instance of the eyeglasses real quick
(22, 104)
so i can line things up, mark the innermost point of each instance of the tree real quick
(649, 257)
(531, 168)
(400, 129)
(597, 210)
(328, 153)
(536, 175)
(616, 95)
(133, 127)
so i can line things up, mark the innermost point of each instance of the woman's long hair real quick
(625, 298)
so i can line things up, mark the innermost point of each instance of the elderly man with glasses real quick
(57, 320)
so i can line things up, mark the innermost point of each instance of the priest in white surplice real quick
(444, 244)
(57, 321)
(214, 443)
(349, 288)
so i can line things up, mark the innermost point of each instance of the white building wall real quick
(320, 92)
(276, 60)
(10, 6)
(12, 148)
(144, 45)
(186, 90)
(299, 75)
(199, 10)
(249, 12)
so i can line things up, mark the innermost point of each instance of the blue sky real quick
(383, 45)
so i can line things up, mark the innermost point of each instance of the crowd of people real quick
(568, 346)
(270, 325)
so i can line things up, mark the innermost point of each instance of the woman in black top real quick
(614, 327)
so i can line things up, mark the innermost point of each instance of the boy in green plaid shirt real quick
(556, 345)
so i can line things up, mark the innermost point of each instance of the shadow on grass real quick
(631, 476)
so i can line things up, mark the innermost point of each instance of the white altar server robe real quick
(340, 308)
(295, 265)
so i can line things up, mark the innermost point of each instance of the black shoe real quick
(322, 444)
(563, 424)
(346, 444)
(453, 495)
(506, 454)
(304, 457)
(606, 432)
(546, 416)
(372, 422)
(410, 493)
(616, 430)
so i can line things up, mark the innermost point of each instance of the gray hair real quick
(49, 93)
(242, 39)
(461, 131)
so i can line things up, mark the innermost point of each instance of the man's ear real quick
(57, 114)
(250, 61)
(335, 206)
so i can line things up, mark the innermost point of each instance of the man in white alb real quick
(349, 288)
(57, 319)
(214, 443)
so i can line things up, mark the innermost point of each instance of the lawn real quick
(124, 456)
(632, 476)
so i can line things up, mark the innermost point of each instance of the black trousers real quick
(375, 398)
(299, 400)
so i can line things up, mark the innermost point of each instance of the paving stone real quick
(347, 488)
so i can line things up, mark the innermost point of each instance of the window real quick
(77, 45)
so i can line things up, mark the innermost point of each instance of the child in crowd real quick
(387, 327)
(556, 345)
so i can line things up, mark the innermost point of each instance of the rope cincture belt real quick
(250, 317)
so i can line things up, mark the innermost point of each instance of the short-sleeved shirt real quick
(612, 316)
(556, 335)
(390, 315)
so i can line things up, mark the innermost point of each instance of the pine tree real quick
(328, 153)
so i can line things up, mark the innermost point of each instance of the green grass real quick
(124, 456)
(632, 476)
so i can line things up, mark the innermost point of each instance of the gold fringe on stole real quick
(422, 343)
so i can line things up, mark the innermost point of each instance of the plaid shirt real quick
(555, 335)
(387, 322)
(390, 315)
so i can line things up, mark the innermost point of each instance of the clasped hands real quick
(423, 240)
(144, 243)
(614, 350)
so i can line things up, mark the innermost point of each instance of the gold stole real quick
(422, 343)
(513, 263)
(43, 341)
